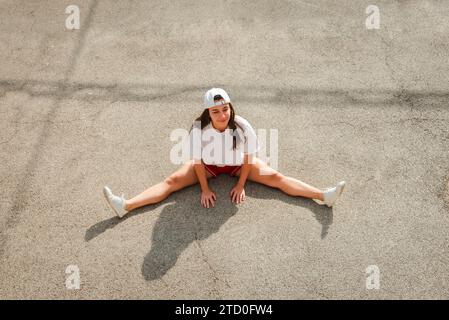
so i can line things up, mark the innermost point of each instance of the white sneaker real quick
(331, 195)
(116, 203)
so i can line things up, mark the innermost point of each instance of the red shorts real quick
(215, 170)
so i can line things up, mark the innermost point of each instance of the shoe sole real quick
(342, 184)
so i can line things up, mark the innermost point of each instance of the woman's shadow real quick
(184, 221)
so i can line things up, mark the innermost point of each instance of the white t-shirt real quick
(216, 148)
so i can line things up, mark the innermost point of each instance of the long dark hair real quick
(206, 119)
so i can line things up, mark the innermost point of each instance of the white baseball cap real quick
(211, 93)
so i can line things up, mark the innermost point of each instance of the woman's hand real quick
(208, 198)
(238, 194)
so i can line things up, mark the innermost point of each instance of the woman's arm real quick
(208, 197)
(246, 167)
(201, 174)
(238, 192)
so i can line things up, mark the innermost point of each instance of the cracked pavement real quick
(86, 108)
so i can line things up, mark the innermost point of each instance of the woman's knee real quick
(275, 179)
(174, 182)
(181, 178)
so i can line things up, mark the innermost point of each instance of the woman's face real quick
(220, 115)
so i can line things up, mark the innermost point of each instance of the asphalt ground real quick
(85, 108)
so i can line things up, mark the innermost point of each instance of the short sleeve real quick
(251, 145)
(192, 145)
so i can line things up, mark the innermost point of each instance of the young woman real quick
(232, 150)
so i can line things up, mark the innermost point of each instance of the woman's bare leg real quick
(275, 179)
(183, 177)
(295, 187)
